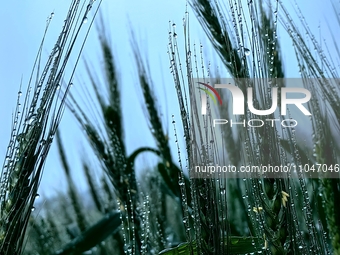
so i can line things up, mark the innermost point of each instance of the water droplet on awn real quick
(246, 51)
(30, 119)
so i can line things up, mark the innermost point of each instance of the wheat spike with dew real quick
(34, 125)
(271, 215)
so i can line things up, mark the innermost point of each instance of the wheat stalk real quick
(34, 126)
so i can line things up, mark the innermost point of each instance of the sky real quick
(24, 27)
(23, 22)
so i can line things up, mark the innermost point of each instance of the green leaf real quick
(94, 235)
(238, 245)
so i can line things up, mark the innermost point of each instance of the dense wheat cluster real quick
(164, 210)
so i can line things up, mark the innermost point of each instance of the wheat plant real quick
(167, 211)
(35, 122)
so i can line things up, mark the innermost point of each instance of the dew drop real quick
(33, 208)
(222, 191)
(246, 51)
(29, 120)
(85, 20)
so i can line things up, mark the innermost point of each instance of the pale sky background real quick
(22, 24)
